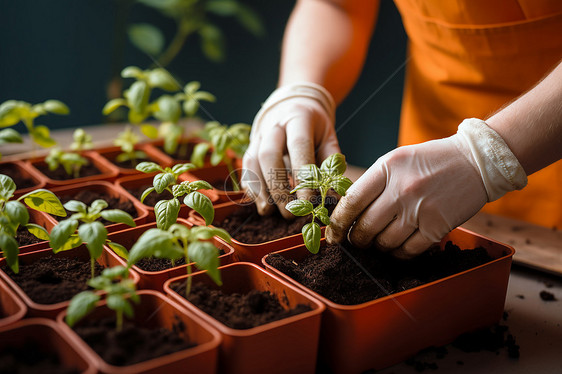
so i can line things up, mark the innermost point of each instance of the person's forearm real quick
(326, 43)
(532, 125)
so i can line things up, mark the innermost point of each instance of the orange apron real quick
(469, 58)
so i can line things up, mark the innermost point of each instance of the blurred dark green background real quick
(64, 49)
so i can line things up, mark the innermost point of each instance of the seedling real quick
(81, 140)
(83, 226)
(70, 161)
(223, 140)
(13, 214)
(127, 140)
(120, 291)
(12, 112)
(167, 211)
(329, 175)
(179, 241)
(9, 136)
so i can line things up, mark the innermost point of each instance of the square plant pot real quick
(155, 279)
(156, 311)
(110, 153)
(36, 309)
(247, 252)
(105, 189)
(388, 330)
(132, 186)
(12, 309)
(218, 177)
(47, 336)
(288, 345)
(107, 171)
(26, 178)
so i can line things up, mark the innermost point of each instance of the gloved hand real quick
(298, 120)
(413, 196)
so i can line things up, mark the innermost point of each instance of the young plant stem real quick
(119, 320)
(93, 267)
(182, 151)
(184, 30)
(232, 174)
(189, 280)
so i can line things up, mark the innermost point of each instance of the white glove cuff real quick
(297, 89)
(500, 170)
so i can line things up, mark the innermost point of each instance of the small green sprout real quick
(83, 227)
(127, 140)
(9, 136)
(222, 139)
(13, 214)
(167, 211)
(70, 161)
(81, 141)
(120, 290)
(179, 241)
(13, 111)
(329, 175)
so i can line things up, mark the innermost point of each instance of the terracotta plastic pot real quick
(385, 331)
(248, 252)
(12, 309)
(220, 174)
(47, 335)
(110, 153)
(10, 167)
(107, 189)
(125, 184)
(155, 311)
(155, 279)
(108, 171)
(285, 346)
(35, 309)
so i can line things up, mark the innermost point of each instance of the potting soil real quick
(30, 358)
(61, 175)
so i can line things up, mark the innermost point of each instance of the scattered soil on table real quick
(60, 174)
(53, 279)
(239, 311)
(89, 196)
(21, 181)
(30, 358)
(24, 237)
(491, 339)
(334, 272)
(133, 343)
(152, 197)
(547, 296)
(159, 264)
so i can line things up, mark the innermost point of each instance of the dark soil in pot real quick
(53, 279)
(24, 237)
(129, 164)
(61, 175)
(152, 197)
(30, 358)
(20, 180)
(133, 343)
(334, 272)
(239, 311)
(160, 264)
(183, 151)
(89, 196)
(223, 184)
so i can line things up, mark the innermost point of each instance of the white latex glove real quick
(296, 120)
(413, 196)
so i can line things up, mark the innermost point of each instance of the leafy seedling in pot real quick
(14, 214)
(222, 140)
(81, 140)
(127, 140)
(12, 112)
(179, 241)
(120, 291)
(167, 211)
(83, 226)
(9, 136)
(71, 162)
(328, 176)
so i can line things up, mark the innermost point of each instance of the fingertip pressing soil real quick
(31, 358)
(239, 311)
(152, 198)
(53, 279)
(134, 343)
(89, 196)
(61, 175)
(20, 180)
(334, 272)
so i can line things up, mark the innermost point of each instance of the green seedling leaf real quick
(341, 184)
(149, 167)
(9, 113)
(334, 165)
(16, 212)
(216, 157)
(179, 169)
(56, 106)
(94, 235)
(132, 72)
(112, 105)
(137, 96)
(206, 257)
(7, 186)
(61, 233)
(153, 242)
(199, 153)
(309, 173)
(10, 136)
(97, 206)
(161, 78)
(80, 305)
(76, 206)
(166, 212)
(163, 180)
(38, 231)
(72, 242)
(307, 184)
(146, 193)
(300, 207)
(147, 38)
(10, 248)
(42, 136)
(311, 235)
(118, 216)
(44, 201)
(119, 249)
(206, 233)
(321, 213)
(118, 303)
(149, 131)
(202, 205)
(168, 109)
